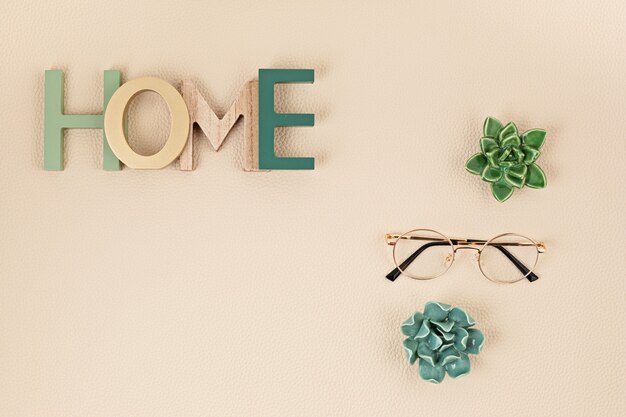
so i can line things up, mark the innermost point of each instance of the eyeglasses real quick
(426, 254)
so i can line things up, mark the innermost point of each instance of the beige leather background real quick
(224, 293)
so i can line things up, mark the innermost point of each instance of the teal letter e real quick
(268, 119)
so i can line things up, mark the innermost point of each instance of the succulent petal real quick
(459, 367)
(424, 330)
(511, 140)
(506, 131)
(476, 164)
(530, 154)
(492, 157)
(501, 190)
(504, 154)
(491, 174)
(514, 180)
(436, 311)
(460, 341)
(518, 170)
(475, 341)
(427, 354)
(446, 325)
(448, 355)
(518, 154)
(431, 373)
(461, 317)
(411, 326)
(410, 347)
(536, 177)
(447, 336)
(487, 144)
(434, 341)
(534, 138)
(491, 127)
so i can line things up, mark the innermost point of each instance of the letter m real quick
(216, 129)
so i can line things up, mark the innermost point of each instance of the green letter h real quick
(55, 120)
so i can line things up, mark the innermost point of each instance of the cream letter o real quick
(115, 116)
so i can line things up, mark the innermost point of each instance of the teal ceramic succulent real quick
(507, 159)
(441, 338)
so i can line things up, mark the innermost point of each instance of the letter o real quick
(115, 116)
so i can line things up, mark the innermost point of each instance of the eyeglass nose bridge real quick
(466, 247)
(470, 246)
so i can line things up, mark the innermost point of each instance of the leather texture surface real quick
(225, 293)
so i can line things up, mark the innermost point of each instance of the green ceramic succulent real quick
(507, 160)
(441, 338)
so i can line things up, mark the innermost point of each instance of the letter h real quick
(55, 120)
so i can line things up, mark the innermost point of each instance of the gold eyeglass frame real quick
(463, 243)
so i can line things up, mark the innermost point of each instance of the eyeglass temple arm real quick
(530, 276)
(395, 273)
